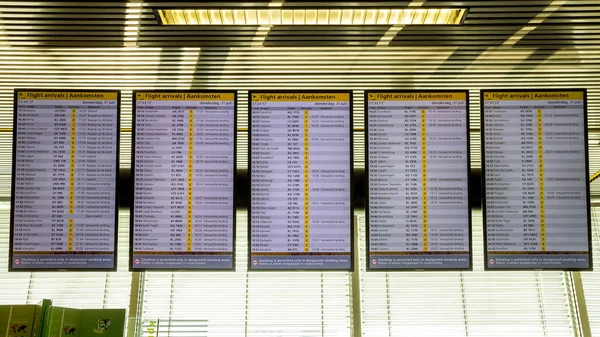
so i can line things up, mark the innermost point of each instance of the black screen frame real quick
(11, 268)
(132, 208)
(351, 154)
(367, 185)
(483, 184)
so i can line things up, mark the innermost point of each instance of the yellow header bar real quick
(417, 96)
(67, 95)
(532, 95)
(301, 97)
(184, 96)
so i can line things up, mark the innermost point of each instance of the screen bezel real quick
(367, 180)
(11, 268)
(351, 154)
(132, 209)
(483, 184)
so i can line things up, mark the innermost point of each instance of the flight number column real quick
(62, 222)
(416, 191)
(528, 236)
(295, 232)
(542, 209)
(63, 153)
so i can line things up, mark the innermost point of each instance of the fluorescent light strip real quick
(270, 16)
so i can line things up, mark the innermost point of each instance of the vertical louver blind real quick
(73, 289)
(256, 304)
(591, 280)
(477, 303)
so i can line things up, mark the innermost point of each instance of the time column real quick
(264, 180)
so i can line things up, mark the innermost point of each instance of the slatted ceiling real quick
(414, 36)
(565, 35)
(57, 25)
(317, 36)
(68, 23)
(166, 36)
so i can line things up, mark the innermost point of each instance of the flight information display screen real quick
(183, 162)
(64, 180)
(536, 192)
(301, 181)
(417, 153)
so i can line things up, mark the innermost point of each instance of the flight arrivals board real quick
(183, 162)
(64, 180)
(536, 203)
(417, 159)
(301, 180)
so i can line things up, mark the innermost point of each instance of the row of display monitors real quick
(534, 158)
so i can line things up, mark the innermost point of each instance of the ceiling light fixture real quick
(270, 16)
